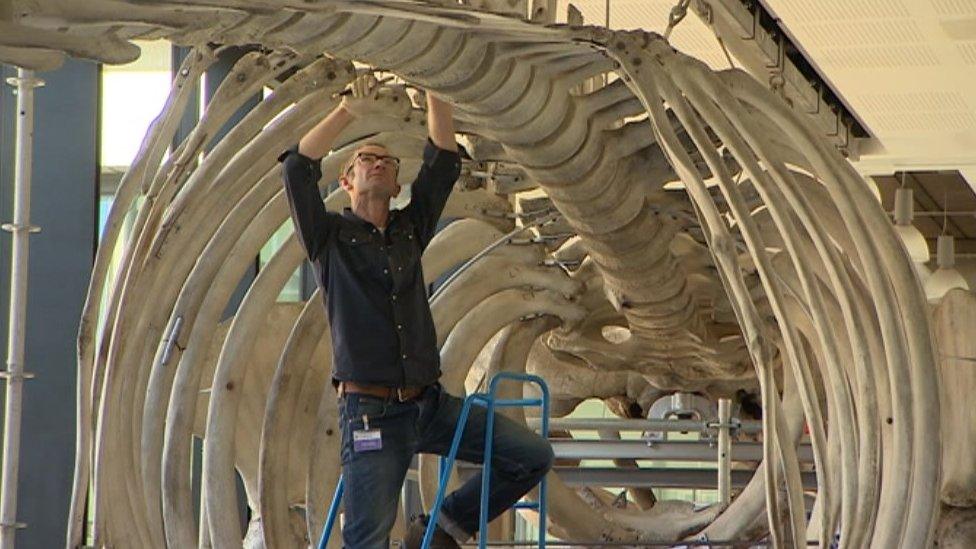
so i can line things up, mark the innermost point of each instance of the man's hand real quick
(361, 101)
(365, 98)
(368, 97)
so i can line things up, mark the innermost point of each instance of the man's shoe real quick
(415, 536)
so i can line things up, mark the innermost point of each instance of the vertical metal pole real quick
(20, 230)
(606, 75)
(724, 450)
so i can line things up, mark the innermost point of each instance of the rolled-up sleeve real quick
(430, 191)
(301, 175)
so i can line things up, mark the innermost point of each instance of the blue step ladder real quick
(490, 401)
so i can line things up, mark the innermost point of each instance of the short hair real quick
(352, 156)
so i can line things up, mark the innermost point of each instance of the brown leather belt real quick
(401, 394)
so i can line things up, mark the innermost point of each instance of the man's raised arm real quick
(440, 169)
(440, 123)
(319, 140)
(302, 171)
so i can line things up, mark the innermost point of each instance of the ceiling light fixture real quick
(946, 277)
(910, 236)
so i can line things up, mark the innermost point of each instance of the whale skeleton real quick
(776, 271)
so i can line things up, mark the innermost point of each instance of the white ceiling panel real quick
(968, 52)
(954, 8)
(843, 10)
(906, 68)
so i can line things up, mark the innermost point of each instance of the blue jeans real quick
(520, 458)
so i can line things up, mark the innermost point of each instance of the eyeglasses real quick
(372, 158)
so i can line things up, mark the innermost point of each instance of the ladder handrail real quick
(488, 399)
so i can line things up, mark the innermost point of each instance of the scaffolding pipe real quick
(647, 425)
(724, 451)
(20, 230)
(670, 450)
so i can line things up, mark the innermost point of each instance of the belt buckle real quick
(399, 394)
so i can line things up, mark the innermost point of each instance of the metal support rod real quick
(650, 425)
(951, 213)
(20, 230)
(645, 477)
(670, 450)
(724, 451)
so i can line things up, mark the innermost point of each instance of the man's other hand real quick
(364, 90)
(368, 98)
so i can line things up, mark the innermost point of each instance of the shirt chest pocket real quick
(404, 250)
(359, 252)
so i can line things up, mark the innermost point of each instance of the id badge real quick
(367, 440)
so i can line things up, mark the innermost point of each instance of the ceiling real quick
(906, 69)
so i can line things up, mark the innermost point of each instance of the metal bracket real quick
(535, 215)
(734, 424)
(678, 12)
(565, 264)
(705, 11)
(540, 239)
(556, 236)
(530, 316)
(711, 434)
(16, 81)
(170, 340)
(17, 228)
(8, 375)
(496, 213)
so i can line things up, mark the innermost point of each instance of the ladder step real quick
(508, 403)
(526, 505)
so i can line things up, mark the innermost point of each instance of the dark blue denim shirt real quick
(382, 330)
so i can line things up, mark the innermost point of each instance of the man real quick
(385, 361)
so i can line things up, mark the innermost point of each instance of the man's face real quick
(373, 172)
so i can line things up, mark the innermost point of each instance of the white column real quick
(20, 230)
